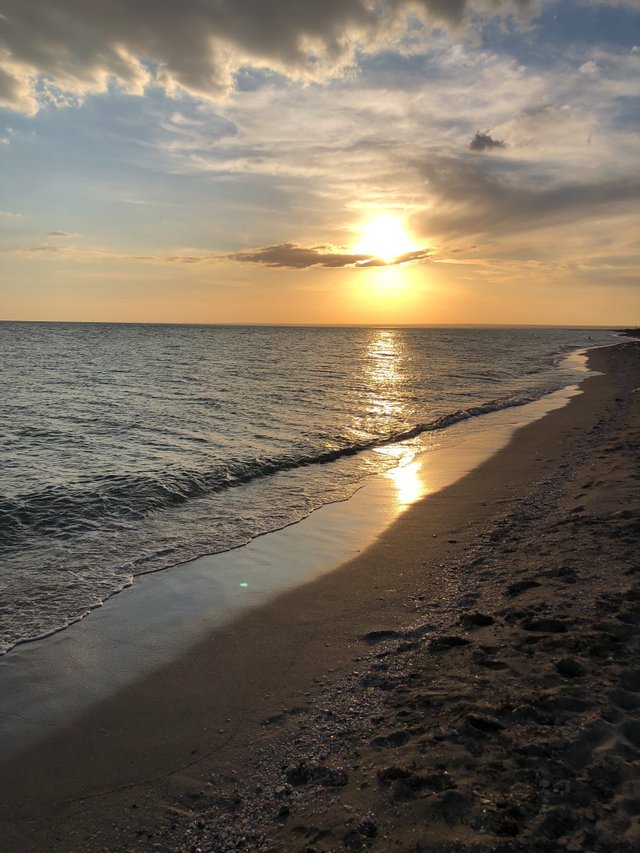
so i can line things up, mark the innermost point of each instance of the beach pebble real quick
(487, 725)
(282, 791)
(452, 805)
(368, 828)
(520, 586)
(354, 838)
(390, 774)
(570, 668)
(443, 644)
(397, 738)
(489, 662)
(476, 620)
(378, 636)
(305, 773)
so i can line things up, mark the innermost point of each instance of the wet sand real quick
(470, 682)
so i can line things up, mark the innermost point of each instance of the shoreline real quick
(167, 747)
(415, 440)
(48, 682)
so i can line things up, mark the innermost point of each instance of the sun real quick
(384, 237)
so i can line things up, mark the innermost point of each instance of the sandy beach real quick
(470, 682)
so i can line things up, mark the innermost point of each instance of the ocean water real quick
(127, 449)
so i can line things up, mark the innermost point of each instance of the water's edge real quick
(44, 684)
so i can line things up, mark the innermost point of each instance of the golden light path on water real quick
(385, 373)
(384, 359)
(409, 483)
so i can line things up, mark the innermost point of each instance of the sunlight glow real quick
(395, 285)
(408, 482)
(388, 295)
(385, 238)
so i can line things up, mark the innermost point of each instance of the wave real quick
(115, 501)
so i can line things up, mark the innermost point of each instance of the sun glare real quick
(384, 238)
(409, 483)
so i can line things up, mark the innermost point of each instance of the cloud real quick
(17, 83)
(469, 201)
(42, 249)
(282, 255)
(59, 52)
(485, 142)
(64, 234)
(10, 214)
(376, 145)
(368, 131)
(293, 256)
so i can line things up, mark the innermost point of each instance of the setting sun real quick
(385, 238)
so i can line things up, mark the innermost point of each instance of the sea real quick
(131, 448)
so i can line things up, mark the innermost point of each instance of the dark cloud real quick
(293, 256)
(470, 201)
(282, 255)
(62, 234)
(484, 141)
(197, 45)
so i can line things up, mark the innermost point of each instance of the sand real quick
(470, 682)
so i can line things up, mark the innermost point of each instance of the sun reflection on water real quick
(383, 352)
(383, 368)
(386, 374)
(409, 483)
(381, 380)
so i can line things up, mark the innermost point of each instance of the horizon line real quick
(612, 326)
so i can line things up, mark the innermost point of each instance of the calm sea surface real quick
(130, 448)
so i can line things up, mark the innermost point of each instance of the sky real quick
(338, 162)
